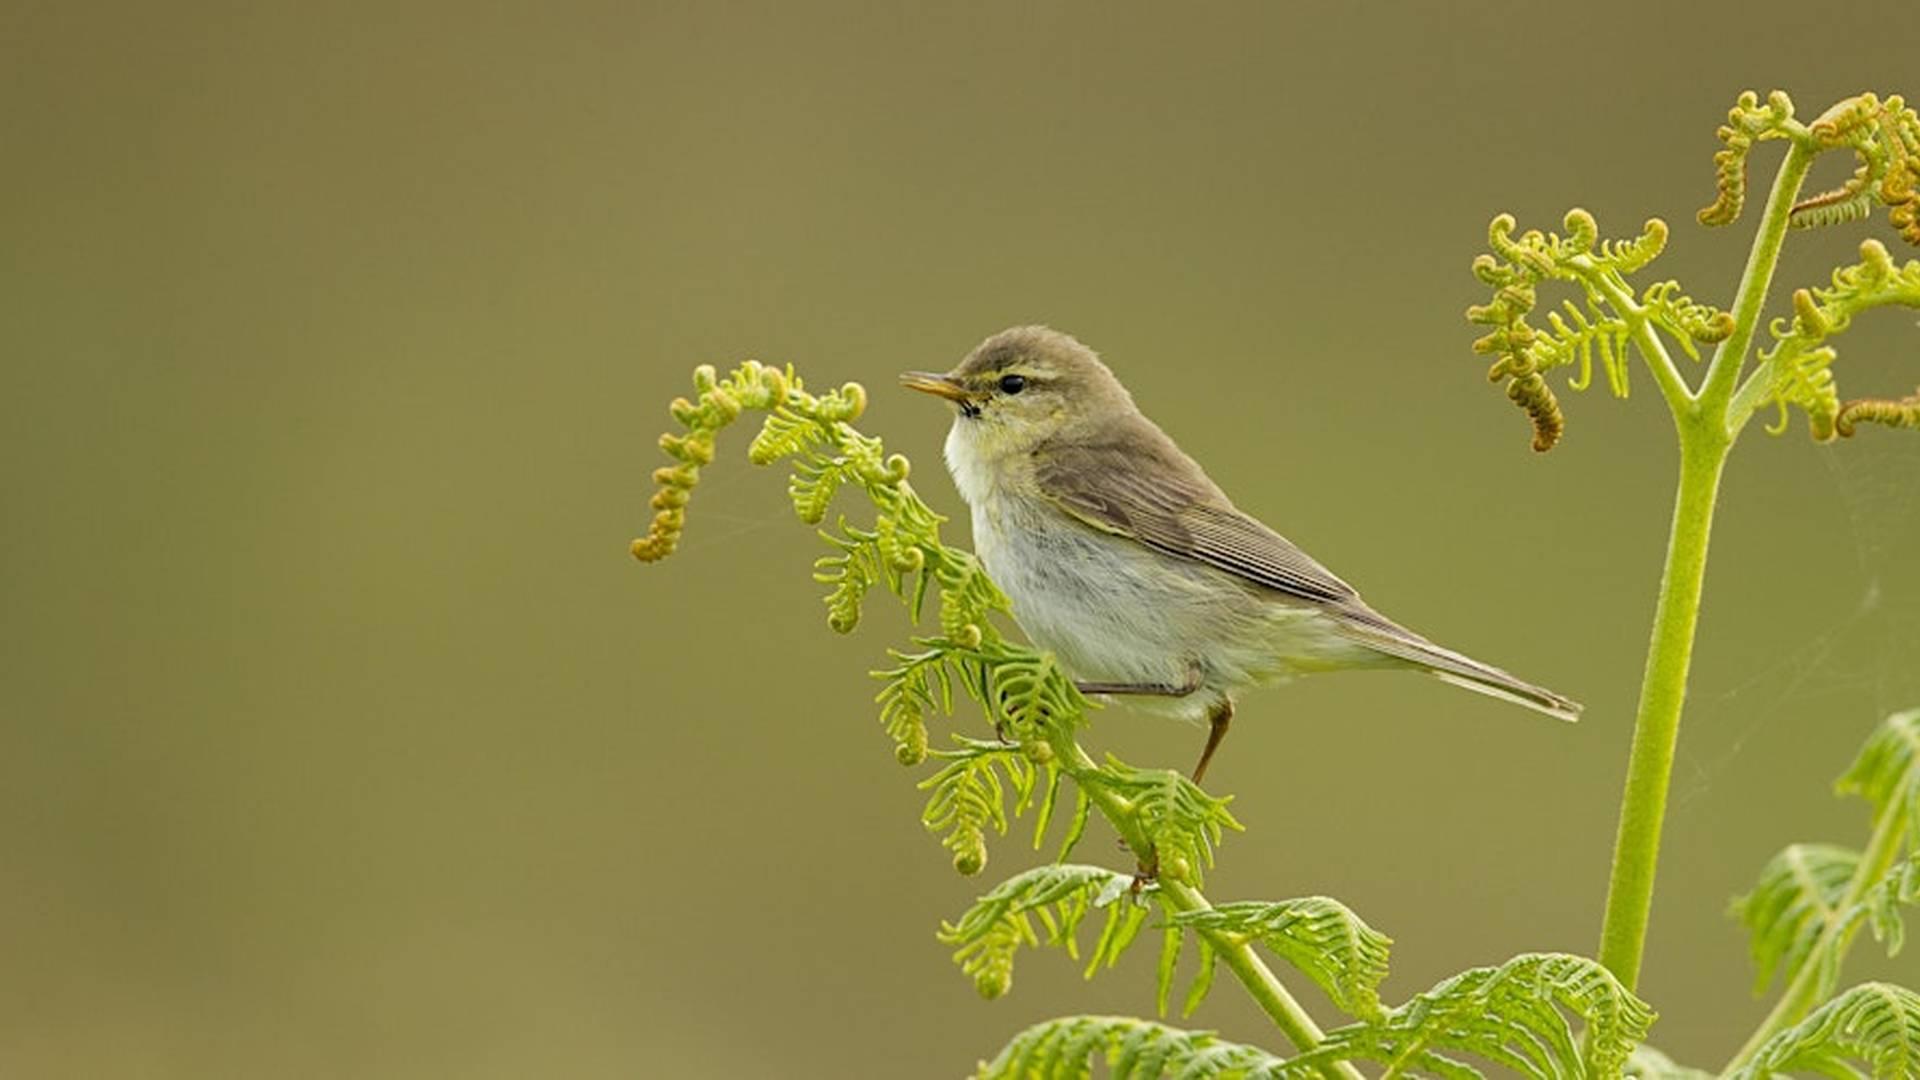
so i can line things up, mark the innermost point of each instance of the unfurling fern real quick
(1748, 122)
(969, 795)
(1060, 896)
(920, 685)
(1889, 412)
(1610, 320)
(1797, 369)
(1874, 1024)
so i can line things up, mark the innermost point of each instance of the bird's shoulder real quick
(1130, 479)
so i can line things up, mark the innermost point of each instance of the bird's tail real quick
(1451, 667)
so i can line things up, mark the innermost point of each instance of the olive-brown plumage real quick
(1122, 557)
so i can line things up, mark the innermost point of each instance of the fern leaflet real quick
(1320, 936)
(1060, 896)
(1511, 1016)
(1875, 1024)
(1131, 1049)
(1800, 900)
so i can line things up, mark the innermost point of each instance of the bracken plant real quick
(1544, 1015)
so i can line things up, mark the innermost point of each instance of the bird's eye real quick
(1012, 384)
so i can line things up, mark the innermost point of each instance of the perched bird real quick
(1130, 565)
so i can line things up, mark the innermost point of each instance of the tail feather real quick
(1463, 671)
(1533, 697)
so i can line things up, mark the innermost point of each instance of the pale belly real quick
(1113, 611)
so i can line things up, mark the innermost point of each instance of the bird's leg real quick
(1219, 716)
(1217, 720)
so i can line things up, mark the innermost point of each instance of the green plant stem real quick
(1643, 808)
(1706, 436)
(1805, 991)
(1259, 980)
(1731, 355)
(1666, 374)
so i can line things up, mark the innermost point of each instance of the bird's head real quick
(1022, 387)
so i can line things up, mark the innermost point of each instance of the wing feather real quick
(1147, 490)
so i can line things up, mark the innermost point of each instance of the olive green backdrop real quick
(340, 737)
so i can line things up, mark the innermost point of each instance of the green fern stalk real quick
(1705, 440)
(1657, 725)
(1255, 976)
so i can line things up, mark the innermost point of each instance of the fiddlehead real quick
(1748, 122)
(1885, 139)
(1890, 412)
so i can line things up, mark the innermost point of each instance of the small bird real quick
(1129, 564)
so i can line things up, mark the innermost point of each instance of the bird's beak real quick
(927, 382)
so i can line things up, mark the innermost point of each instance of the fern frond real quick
(1060, 896)
(1646, 1063)
(1887, 771)
(1518, 1015)
(1577, 337)
(1130, 1049)
(1685, 318)
(1515, 269)
(920, 684)
(1800, 899)
(750, 386)
(1836, 207)
(812, 487)
(1748, 122)
(1887, 774)
(1888, 412)
(970, 796)
(1320, 936)
(1874, 1024)
(1182, 822)
(1882, 903)
(967, 595)
(785, 433)
(1885, 139)
(852, 573)
(1028, 693)
(1798, 365)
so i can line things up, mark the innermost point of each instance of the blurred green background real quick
(340, 735)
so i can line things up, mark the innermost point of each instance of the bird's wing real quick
(1179, 512)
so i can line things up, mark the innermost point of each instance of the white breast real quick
(1115, 611)
(972, 475)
